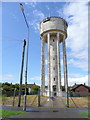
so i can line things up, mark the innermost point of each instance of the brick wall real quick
(81, 91)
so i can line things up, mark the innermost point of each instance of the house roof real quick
(78, 85)
(31, 85)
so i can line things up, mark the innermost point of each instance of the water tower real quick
(53, 32)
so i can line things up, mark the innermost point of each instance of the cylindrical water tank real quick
(53, 24)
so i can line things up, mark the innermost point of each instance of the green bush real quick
(34, 90)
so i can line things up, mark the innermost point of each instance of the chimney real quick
(84, 84)
(75, 83)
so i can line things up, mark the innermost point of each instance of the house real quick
(46, 92)
(80, 90)
(29, 86)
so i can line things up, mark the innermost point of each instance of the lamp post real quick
(22, 9)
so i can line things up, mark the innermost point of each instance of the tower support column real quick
(49, 77)
(65, 71)
(43, 67)
(58, 63)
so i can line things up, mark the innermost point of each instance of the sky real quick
(14, 31)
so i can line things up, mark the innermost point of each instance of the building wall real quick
(81, 91)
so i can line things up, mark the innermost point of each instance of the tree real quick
(34, 90)
(6, 83)
(6, 88)
(17, 86)
(62, 88)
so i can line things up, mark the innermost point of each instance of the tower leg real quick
(58, 63)
(49, 78)
(65, 71)
(43, 69)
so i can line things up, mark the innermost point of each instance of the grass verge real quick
(85, 114)
(5, 113)
(32, 100)
(80, 102)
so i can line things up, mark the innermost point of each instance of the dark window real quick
(54, 87)
(47, 19)
(54, 94)
(53, 58)
(54, 79)
(53, 40)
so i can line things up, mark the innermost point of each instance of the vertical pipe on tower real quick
(58, 62)
(65, 70)
(49, 78)
(43, 67)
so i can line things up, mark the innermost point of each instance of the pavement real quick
(54, 103)
(42, 112)
(63, 113)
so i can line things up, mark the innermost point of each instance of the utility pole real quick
(25, 96)
(21, 74)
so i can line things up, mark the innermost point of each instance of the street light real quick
(22, 9)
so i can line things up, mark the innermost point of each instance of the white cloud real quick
(79, 63)
(7, 78)
(79, 80)
(38, 14)
(31, 4)
(71, 80)
(76, 15)
(37, 17)
(61, 13)
(35, 78)
(38, 78)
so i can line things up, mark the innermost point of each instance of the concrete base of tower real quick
(44, 93)
(54, 94)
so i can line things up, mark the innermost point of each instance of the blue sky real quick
(14, 31)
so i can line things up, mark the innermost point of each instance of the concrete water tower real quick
(53, 32)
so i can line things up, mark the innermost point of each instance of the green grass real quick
(85, 114)
(5, 113)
